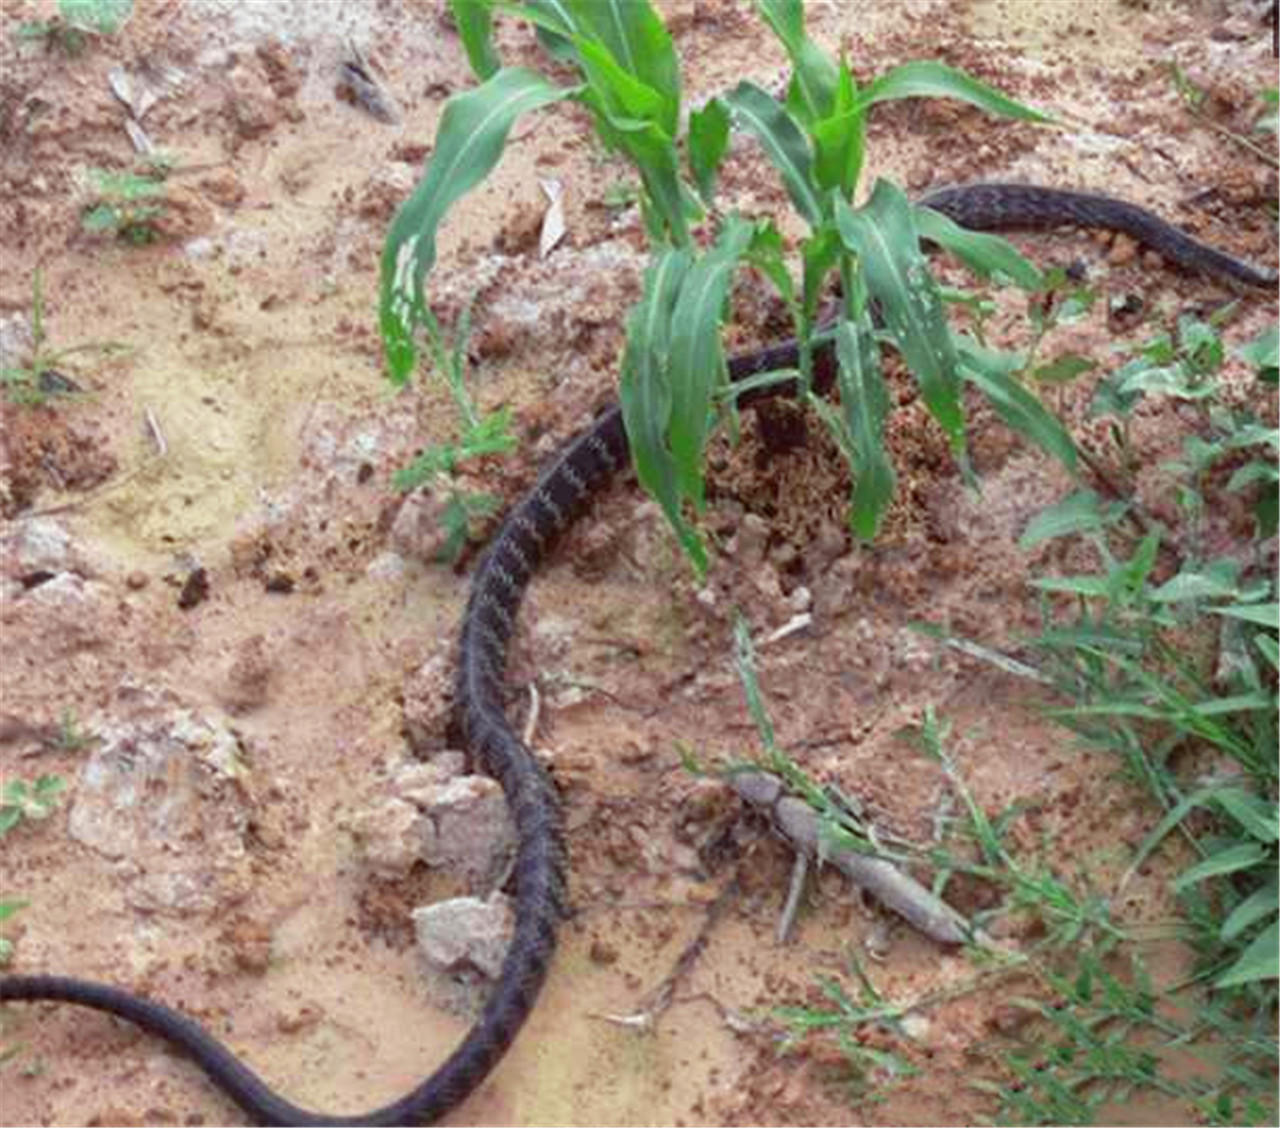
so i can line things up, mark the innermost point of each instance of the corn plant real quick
(673, 380)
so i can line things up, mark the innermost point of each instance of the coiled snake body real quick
(521, 545)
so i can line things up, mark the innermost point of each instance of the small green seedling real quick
(8, 907)
(127, 205)
(21, 800)
(37, 379)
(76, 22)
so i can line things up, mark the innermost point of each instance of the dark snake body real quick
(520, 547)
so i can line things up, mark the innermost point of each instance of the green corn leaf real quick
(628, 115)
(865, 406)
(1195, 585)
(475, 27)
(646, 395)
(784, 144)
(983, 253)
(1020, 410)
(629, 100)
(708, 143)
(554, 23)
(1261, 960)
(928, 79)
(814, 78)
(639, 43)
(768, 255)
(883, 235)
(697, 356)
(469, 141)
(839, 140)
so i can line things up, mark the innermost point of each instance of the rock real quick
(428, 704)
(389, 837)
(160, 795)
(247, 682)
(39, 545)
(468, 828)
(465, 934)
(61, 616)
(454, 822)
(418, 532)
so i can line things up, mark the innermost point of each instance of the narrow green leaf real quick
(1088, 586)
(1232, 859)
(814, 73)
(629, 116)
(475, 27)
(1264, 614)
(697, 356)
(1020, 410)
(982, 252)
(819, 253)
(708, 143)
(1261, 960)
(865, 406)
(928, 79)
(884, 236)
(1063, 369)
(470, 139)
(645, 392)
(1259, 818)
(1193, 585)
(839, 140)
(1270, 650)
(1077, 513)
(1261, 903)
(767, 254)
(784, 144)
(640, 45)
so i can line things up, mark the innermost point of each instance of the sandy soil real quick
(225, 491)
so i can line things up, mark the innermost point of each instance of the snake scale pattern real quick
(520, 547)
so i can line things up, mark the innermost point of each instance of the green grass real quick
(1176, 679)
(31, 381)
(480, 435)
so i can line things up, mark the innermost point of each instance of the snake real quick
(523, 543)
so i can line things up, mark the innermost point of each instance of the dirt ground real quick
(210, 533)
